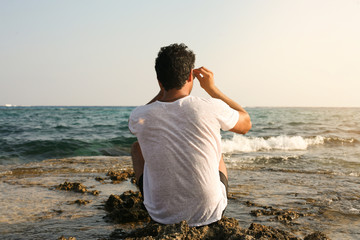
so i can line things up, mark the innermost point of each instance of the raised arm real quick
(206, 79)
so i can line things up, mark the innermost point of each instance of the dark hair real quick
(173, 65)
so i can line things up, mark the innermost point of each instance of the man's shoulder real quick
(145, 107)
(140, 110)
(211, 102)
(148, 109)
(208, 100)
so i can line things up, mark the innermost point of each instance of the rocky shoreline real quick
(128, 208)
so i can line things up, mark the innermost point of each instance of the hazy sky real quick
(263, 52)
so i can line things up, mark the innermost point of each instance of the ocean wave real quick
(339, 140)
(60, 148)
(61, 127)
(241, 143)
(296, 123)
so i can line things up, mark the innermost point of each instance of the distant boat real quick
(8, 105)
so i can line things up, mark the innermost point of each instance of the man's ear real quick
(191, 76)
(160, 85)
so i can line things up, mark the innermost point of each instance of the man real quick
(177, 160)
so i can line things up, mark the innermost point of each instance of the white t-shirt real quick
(181, 145)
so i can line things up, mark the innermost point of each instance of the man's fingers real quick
(198, 73)
(207, 70)
(204, 70)
(197, 70)
(198, 76)
(201, 69)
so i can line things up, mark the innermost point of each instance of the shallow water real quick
(34, 209)
(333, 201)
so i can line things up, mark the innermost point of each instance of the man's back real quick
(181, 145)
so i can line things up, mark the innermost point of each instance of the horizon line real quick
(254, 106)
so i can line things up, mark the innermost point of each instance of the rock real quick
(251, 204)
(172, 231)
(99, 179)
(95, 192)
(316, 236)
(283, 216)
(259, 231)
(226, 228)
(82, 202)
(76, 187)
(64, 238)
(119, 176)
(126, 208)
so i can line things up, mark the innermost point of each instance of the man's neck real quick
(173, 95)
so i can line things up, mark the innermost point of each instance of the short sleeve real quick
(133, 122)
(226, 116)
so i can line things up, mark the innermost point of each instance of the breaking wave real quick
(240, 143)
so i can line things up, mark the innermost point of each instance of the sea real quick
(300, 159)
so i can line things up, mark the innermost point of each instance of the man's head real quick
(173, 65)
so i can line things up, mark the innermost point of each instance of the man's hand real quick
(206, 79)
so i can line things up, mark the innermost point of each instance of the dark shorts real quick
(223, 179)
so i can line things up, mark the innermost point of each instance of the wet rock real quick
(119, 176)
(64, 238)
(310, 200)
(59, 211)
(126, 208)
(316, 236)
(76, 187)
(82, 202)
(172, 231)
(259, 231)
(283, 216)
(95, 192)
(99, 179)
(251, 204)
(231, 196)
(226, 228)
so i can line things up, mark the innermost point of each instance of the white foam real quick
(241, 143)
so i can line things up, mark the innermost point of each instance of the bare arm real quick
(206, 79)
